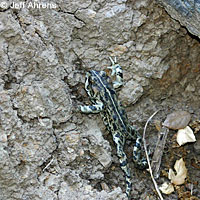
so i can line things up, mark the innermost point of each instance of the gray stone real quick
(187, 12)
(100, 148)
(131, 93)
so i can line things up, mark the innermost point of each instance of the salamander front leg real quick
(117, 71)
(137, 158)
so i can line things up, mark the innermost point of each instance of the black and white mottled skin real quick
(101, 91)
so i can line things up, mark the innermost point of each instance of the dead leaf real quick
(177, 120)
(166, 188)
(185, 135)
(181, 173)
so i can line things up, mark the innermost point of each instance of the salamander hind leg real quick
(119, 142)
(140, 161)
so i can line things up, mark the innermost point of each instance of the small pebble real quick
(177, 120)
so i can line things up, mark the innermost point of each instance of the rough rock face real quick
(187, 12)
(49, 151)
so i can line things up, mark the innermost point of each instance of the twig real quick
(48, 165)
(158, 152)
(147, 156)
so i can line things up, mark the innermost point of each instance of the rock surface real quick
(187, 12)
(49, 151)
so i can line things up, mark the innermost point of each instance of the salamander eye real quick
(102, 73)
(109, 80)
